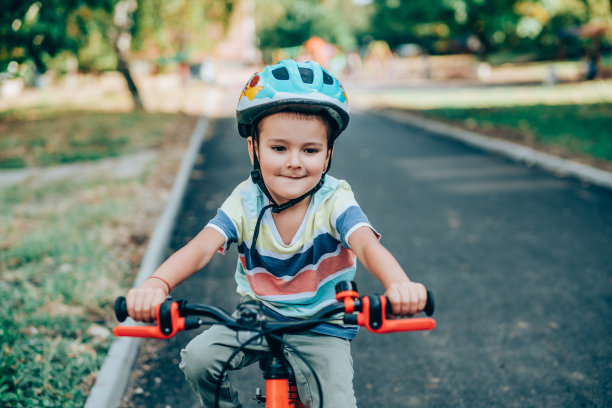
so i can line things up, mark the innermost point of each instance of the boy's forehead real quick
(277, 124)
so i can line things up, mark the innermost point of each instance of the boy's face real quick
(292, 153)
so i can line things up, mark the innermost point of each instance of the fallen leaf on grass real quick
(77, 349)
(99, 333)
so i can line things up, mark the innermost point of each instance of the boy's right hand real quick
(142, 302)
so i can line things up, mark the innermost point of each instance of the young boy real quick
(298, 231)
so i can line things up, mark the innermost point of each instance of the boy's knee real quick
(199, 361)
(204, 356)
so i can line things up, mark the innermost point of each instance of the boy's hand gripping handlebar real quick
(373, 311)
(370, 312)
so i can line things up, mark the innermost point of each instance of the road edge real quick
(113, 377)
(558, 166)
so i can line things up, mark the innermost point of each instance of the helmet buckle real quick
(256, 176)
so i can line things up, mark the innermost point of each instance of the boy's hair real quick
(301, 114)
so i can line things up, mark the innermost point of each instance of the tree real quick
(289, 23)
(443, 26)
(539, 27)
(37, 31)
(175, 28)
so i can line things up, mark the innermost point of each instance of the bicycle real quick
(250, 326)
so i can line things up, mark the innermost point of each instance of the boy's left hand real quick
(406, 297)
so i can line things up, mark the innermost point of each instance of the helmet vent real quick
(281, 74)
(327, 79)
(307, 75)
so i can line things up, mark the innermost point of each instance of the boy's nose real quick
(293, 160)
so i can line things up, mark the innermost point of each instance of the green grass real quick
(39, 137)
(574, 129)
(567, 119)
(58, 279)
(492, 96)
(68, 249)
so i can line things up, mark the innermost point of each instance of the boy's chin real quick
(290, 195)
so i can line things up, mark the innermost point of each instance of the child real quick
(298, 231)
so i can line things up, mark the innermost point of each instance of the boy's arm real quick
(406, 297)
(142, 301)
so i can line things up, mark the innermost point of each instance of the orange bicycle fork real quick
(280, 391)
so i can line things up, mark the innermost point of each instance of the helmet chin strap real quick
(276, 208)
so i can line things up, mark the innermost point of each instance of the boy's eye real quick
(311, 150)
(278, 148)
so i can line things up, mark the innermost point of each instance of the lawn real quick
(60, 270)
(68, 249)
(571, 120)
(41, 138)
(568, 130)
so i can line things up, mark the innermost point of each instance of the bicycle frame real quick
(368, 311)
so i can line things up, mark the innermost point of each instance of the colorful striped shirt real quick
(297, 279)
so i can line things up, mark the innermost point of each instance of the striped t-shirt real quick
(297, 279)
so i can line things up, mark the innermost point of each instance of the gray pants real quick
(203, 358)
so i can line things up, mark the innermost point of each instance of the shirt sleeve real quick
(347, 215)
(229, 219)
(223, 223)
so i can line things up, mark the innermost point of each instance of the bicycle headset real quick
(303, 87)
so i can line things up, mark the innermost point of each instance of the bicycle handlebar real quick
(371, 313)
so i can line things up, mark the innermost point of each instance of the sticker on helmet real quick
(251, 89)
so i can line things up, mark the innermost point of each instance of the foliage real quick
(542, 27)
(35, 31)
(38, 31)
(177, 28)
(288, 23)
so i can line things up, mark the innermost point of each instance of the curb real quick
(112, 380)
(554, 164)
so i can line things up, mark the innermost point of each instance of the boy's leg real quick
(202, 361)
(331, 359)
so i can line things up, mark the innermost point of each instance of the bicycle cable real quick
(264, 333)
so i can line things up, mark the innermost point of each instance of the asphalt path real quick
(520, 262)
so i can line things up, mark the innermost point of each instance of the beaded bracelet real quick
(162, 280)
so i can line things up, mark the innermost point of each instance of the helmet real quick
(305, 86)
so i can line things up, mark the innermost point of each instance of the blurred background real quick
(462, 61)
(98, 99)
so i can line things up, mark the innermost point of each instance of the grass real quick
(68, 249)
(581, 130)
(43, 138)
(60, 272)
(572, 120)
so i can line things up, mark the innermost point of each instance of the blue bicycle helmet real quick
(304, 86)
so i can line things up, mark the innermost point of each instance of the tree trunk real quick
(124, 68)
(121, 38)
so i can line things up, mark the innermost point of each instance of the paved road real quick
(520, 262)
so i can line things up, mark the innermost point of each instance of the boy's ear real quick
(251, 149)
(330, 153)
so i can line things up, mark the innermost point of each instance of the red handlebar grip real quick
(152, 332)
(399, 325)
(392, 325)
